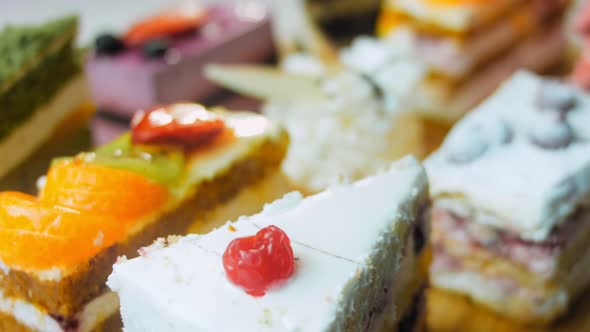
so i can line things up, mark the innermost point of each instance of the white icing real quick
(354, 133)
(251, 130)
(353, 227)
(348, 135)
(37, 319)
(530, 189)
(30, 135)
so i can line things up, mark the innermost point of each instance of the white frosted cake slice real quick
(511, 190)
(356, 266)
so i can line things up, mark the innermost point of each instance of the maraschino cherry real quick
(255, 263)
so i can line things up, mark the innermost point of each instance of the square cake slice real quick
(356, 252)
(511, 187)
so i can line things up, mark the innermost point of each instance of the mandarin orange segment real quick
(104, 191)
(34, 235)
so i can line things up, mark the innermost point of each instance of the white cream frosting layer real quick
(528, 188)
(354, 132)
(29, 315)
(29, 136)
(347, 242)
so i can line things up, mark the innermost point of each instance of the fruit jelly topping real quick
(257, 262)
(186, 125)
(165, 24)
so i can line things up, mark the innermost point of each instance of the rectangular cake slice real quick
(470, 48)
(41, 88)
(166, 66)
(511, 187)
(356, 265)
(58, 248)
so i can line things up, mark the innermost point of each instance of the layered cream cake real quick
(511, 188)
(178, 165)
(345, 123)
(470, 47)
(42, 90)
(349, 259)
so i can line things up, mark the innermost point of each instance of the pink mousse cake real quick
(160, 60)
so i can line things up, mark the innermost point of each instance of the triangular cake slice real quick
(355, 249)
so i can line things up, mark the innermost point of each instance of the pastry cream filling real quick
(536, 53)
(523, 301)
(30, 315)
(29, 136)
(456, 57)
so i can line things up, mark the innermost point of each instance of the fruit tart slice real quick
(178, 166)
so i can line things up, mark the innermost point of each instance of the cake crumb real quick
(231, 228)
(172, 239)
(99, 239)
(266, 318)
(121, 259)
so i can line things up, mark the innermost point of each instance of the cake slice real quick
(510, 201)
(178, 165)
(160, 59)
(346, 259)
(344, 123)
(471, 47)
(41, 88)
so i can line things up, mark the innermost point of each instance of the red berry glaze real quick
(164, 25)
(256, 262)
(186, 125)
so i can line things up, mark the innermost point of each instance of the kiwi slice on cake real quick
(165, 166)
